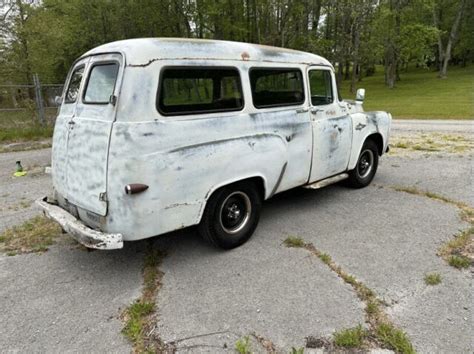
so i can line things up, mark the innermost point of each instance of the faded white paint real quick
(184, 159)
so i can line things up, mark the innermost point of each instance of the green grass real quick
(138, 317)
(325, 258)
(459, 262)
(420, 94)
(294, 241)
(18, 126)
(432, 279)
(242, 346)
(394, 338)
(34, 235)
(135, 319)
(350, 338)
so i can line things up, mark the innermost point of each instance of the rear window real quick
(194, 90)
(101, 83)
(276, 87)
(74, 85)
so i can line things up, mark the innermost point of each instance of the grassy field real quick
(16, 126)
(420, 94)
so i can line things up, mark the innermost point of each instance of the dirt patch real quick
(431, 143)
(25, 146)
(34, 235)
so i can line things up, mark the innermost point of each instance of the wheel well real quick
(378, 140)
(258, 182)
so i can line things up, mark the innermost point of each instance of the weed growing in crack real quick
(351, 337)
(325, 258)
(294, 241)
(372, 308)
(242, 346)
(432, 279)
(138, 317)
(459, 262)
(394, 338)
(136, 314)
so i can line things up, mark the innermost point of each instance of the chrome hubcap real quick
(235, 212)
(365, 164)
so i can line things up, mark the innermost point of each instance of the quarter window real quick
(320, 83)
(101, 83)
(276, 87)
(74, 85)
(192, 90)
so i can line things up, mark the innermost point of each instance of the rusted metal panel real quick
(88, 237)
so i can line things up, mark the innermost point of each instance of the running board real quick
(327, 181)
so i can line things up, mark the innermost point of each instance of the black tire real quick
(366, 166)
(231, 215)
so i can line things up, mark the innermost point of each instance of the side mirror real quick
(360, 95)
(58, 100)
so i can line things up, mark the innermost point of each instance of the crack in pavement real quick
(382, 332)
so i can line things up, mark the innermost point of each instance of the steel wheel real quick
(365, 163)
(235, 212)
(366, 167)
(231, 215)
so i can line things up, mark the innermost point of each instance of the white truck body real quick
(101, 147)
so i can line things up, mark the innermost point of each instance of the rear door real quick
(67, 111)
(89, 133)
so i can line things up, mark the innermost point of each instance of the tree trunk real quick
(355, 58)
(316, 14)
(452, 38)
(440, 42)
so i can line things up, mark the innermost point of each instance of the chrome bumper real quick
(80, 232)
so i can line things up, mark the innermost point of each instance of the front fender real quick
(365, 124)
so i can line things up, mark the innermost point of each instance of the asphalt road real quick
(68, 299)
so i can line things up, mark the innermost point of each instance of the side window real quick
(101, 83)
(276, 87)
(194, 90)
(320, 84)
(74, 85)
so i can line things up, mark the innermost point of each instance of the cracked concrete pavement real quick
(68, 299)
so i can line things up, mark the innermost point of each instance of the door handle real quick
(302, 110)
(315, 110)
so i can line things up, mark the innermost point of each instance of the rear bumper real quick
(80, 232)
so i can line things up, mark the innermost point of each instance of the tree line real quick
(46, 36)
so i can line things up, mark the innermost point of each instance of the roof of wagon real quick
(145, 50)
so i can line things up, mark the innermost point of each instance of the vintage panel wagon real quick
(154, 135)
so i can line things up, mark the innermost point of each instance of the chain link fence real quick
(32, 103)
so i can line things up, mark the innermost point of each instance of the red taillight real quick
(134, 188)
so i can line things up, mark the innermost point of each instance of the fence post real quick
(39, 99)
